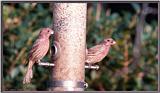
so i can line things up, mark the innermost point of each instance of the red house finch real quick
(97, 53)
(37, 52)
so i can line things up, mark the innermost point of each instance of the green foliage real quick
(22, 22)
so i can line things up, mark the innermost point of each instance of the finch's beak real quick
(52, 32)
(114, 42)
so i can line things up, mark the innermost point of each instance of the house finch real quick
(38, 51)
(97, 53)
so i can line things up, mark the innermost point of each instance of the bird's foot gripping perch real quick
(96, 67)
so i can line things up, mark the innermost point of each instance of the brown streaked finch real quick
(96, 53)
(38, 51)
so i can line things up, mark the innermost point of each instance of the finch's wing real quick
(36, 48)
(95, 50)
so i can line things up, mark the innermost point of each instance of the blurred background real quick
(132, 64)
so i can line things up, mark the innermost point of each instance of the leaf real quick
(14, 72)
(93, 75)
(136, 7)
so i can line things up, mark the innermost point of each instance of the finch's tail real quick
(29, 73)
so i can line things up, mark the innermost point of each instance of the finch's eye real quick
(108, 40)
(48, 30)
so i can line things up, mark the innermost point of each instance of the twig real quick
(137, 42)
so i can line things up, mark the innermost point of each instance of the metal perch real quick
(96, 67)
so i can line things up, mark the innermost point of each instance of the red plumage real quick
(37, 52)
(97, 53)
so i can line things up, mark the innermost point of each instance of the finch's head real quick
(46, 32)
(109, 41)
